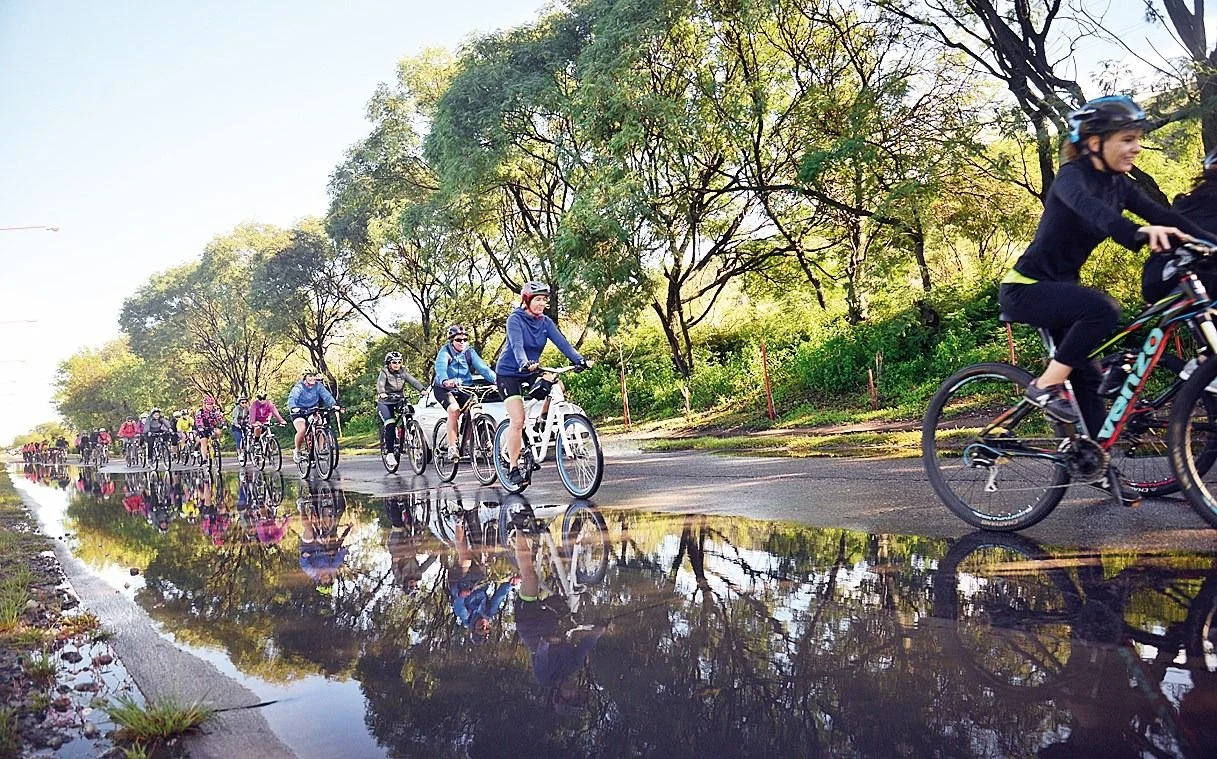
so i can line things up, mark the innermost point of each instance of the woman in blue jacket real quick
(452, 371)
(307, 395)
(528, 329)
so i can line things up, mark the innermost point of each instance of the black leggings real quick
(1079, 318)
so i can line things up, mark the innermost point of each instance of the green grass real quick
(157, 720)
(10, 736)
(41, 668)
(902, 444)
(77, 624)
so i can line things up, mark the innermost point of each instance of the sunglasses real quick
(460, 339)
(394, 362)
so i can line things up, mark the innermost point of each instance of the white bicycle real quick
(576, 445)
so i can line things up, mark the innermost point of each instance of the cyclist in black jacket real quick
(1085, 205)
(1200, 207)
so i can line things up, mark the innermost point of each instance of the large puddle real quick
(461, 623)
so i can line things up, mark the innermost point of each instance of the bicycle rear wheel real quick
(995, 477)
(585, 540)
(1013, 606)
(483, 448)
(580, 459)
(416, 446)
(445, 465)
(1192, 440)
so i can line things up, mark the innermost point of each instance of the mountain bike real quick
(262, 450)
(159, 454)
(577, 448)
(134, 455)
(1034, 625)
(475, 437)
(1001, 463)
(407, 438)
(320, 449)
(565, 566)
(102, 456)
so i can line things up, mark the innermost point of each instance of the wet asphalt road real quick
(870, 495)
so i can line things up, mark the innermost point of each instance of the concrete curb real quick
(162, 669)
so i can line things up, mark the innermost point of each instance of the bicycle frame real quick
(552, 424)
(1189, 305)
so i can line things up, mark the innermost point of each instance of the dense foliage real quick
(842, 180)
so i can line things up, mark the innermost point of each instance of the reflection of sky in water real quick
(837, 648)
(53, 516)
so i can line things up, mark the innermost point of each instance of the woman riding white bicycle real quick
(528, 330)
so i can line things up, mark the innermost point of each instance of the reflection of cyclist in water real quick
(406, 539)
(476, 600)
(322, 552)
(557, 656)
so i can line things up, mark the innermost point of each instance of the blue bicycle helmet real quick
(1105, 115)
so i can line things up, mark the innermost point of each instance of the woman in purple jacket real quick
(528, 329)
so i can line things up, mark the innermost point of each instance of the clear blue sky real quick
(144, 129)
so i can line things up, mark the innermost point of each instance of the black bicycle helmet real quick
(1105, 115)
(392, 356)
(533, 289)
(457, 329)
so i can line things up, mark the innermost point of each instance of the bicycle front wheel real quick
(994, 461)
(445, 465)
(483, 448)
(580, 459)
(585, 540)
(326, 449)
(416, 446)
(1192, 440)
(390, 453)
(272, 451)
(502, 468)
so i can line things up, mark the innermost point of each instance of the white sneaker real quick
(295, 455)
(453, 453)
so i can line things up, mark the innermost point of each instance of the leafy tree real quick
(199, 320)
(101, 387)
(308, 289)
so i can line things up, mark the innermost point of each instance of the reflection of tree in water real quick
(732, 637)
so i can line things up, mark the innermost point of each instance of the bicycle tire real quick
(445, 465)
(390, 454)
(502, 470)
(323, 448)
(215, 459)
(416, 446)
(1192, 439)
(585, 540)
(1011, 616)
(1142, 452)
(482, 453)
(273, 451)
(304, 463)
(579, 456)
(963, 470)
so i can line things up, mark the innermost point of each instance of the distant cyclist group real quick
(157, 437)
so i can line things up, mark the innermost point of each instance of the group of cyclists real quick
(516, 375)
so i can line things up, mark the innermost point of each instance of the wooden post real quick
(625, 393)
(870, 383)
(768, 388)
(1010, 342)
